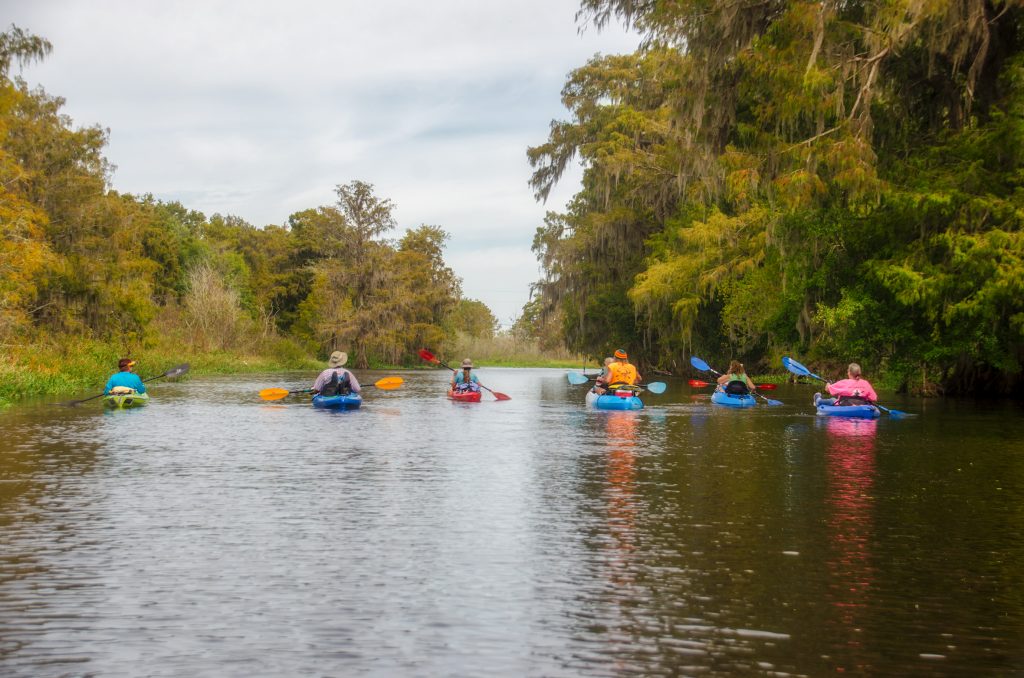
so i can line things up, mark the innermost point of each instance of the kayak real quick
(733, 400)
(619, 400)
(122, 401)
(850, 411)
(465, 396)
(352, 401)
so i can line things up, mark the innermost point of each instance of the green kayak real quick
(125, 400)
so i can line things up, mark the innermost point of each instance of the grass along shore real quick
(82, 368)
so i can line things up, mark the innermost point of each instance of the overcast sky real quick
(260, 109)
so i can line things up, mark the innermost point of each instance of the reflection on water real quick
(212, 533)
(850, 461)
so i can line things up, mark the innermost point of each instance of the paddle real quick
(173, 372)
(431, 358)
(798, 369)
(697, 383)
(386, 384)
(704, 367)
(575, 378)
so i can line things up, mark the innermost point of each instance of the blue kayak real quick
(732, 399)
(850, 411)
(351, 401)
(610, 401)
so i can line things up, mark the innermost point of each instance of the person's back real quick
(736, 382)
(854, 386)
(125, 378)
(622, 372)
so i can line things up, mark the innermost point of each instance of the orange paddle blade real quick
(273, 393)
(389, 383)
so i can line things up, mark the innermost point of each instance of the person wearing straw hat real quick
(466, 379)
(336, 380)
(621, 371)
(125, 380)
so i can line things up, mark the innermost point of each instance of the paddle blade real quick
(389, 383)
(501, 396)
(575, 378)
(273, 393)
(427, 355)
(697, 383)
(770, 401)
(176, 371)
(699, 364)
(656, 387)
(795, 367)
(766, 387)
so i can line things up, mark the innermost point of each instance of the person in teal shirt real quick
(126, 377)
(465, 380)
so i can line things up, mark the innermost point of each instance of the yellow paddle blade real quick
(389, 383)
(273, 393)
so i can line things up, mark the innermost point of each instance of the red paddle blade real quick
(426, 355)
(697, 383)
(501, 396)
(766, 387)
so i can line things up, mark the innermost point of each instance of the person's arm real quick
(110, 385)
(871, 395)
(353, 383)
(139, 386)
(722, 379)
(318, 383)
(750, 384)
(833, 389)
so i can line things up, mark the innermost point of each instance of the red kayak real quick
(465, 396)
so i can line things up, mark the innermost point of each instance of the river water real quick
(215, 534)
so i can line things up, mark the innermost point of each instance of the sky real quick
(260, 109)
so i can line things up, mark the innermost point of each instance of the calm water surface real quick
(214, 534)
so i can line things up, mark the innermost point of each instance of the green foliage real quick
(836, 180)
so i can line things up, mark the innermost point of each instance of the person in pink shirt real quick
(854, 386)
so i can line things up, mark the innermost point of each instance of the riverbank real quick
(83, 367)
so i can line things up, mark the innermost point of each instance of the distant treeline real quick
(836, 180)
(81, 261)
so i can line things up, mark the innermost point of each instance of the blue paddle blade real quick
(771, 401)
(699, 364)
(575, 378)
(795, 367)
(656, 387)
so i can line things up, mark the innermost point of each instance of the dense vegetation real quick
(89, 274)
(839, 180)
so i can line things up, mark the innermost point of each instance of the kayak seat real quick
(736, 388)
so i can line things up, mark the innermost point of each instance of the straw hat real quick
(467, 364)
(337, 359)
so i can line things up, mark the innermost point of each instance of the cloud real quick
(260, 109)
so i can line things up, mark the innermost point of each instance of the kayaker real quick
(601, 383)
(736, 381)
(621, 371)
(854, 390)
(465, 380)
(125, 378)
(336, 380)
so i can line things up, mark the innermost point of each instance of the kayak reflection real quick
(851, 469)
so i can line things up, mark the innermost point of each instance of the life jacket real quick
(336, 386)
(853, 400)
(621, 373)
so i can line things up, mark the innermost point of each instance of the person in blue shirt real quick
(465, 380)
(126, 378)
